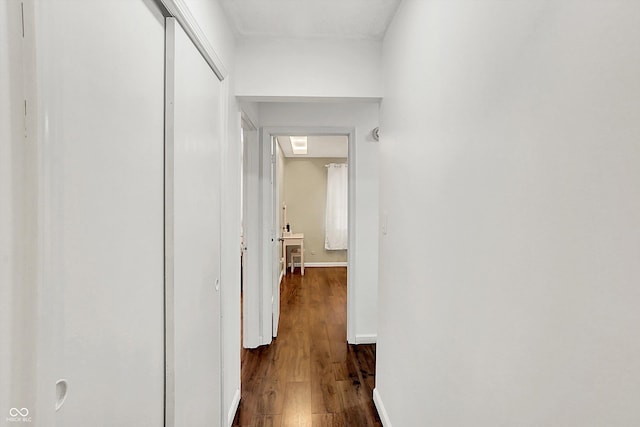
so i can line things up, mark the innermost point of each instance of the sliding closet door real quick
(102, 66)
(196, 239)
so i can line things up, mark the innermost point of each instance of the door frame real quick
(269, 248)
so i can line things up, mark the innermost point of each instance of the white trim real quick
(265, 212)
(267, 236)
(366, 338)
(351, 223)
(275, 233)
(377, 400)
(316, 99)
(322, 264)
(246, 121)
(234, 408)
(179, 10)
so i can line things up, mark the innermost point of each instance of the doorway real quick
(262, 226)
(310, 185)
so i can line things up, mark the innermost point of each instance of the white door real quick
(243, 245)
(196, 239)
(252, 331)
(276, 232)
(102, 68)
(270, 297)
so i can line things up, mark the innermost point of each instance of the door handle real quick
(62, 389)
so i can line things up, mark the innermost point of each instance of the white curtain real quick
(336, 217)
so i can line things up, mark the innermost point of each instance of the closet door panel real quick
(196, 212)
(103, 98)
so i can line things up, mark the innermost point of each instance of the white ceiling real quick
(318, 146)
(359, 19)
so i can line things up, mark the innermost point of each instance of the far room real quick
(312, 196)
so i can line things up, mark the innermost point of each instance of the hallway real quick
(309, 375)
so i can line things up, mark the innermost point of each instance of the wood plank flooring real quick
(309, 376)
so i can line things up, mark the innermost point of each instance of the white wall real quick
(309, 68)
(213, 22)
(509, 171)
(305, 192)
(363, 117)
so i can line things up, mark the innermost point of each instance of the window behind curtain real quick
(336, 217)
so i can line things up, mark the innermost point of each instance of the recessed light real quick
(298, 144)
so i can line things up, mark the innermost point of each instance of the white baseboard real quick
(384, 417)
(366, 339)
(234, 408)
(323, 264)
(281, 275)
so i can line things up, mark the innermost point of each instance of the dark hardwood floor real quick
(309, 375)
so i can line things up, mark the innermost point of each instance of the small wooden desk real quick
(293, 239)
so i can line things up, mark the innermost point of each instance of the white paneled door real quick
(101, 79)
(196, 239)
